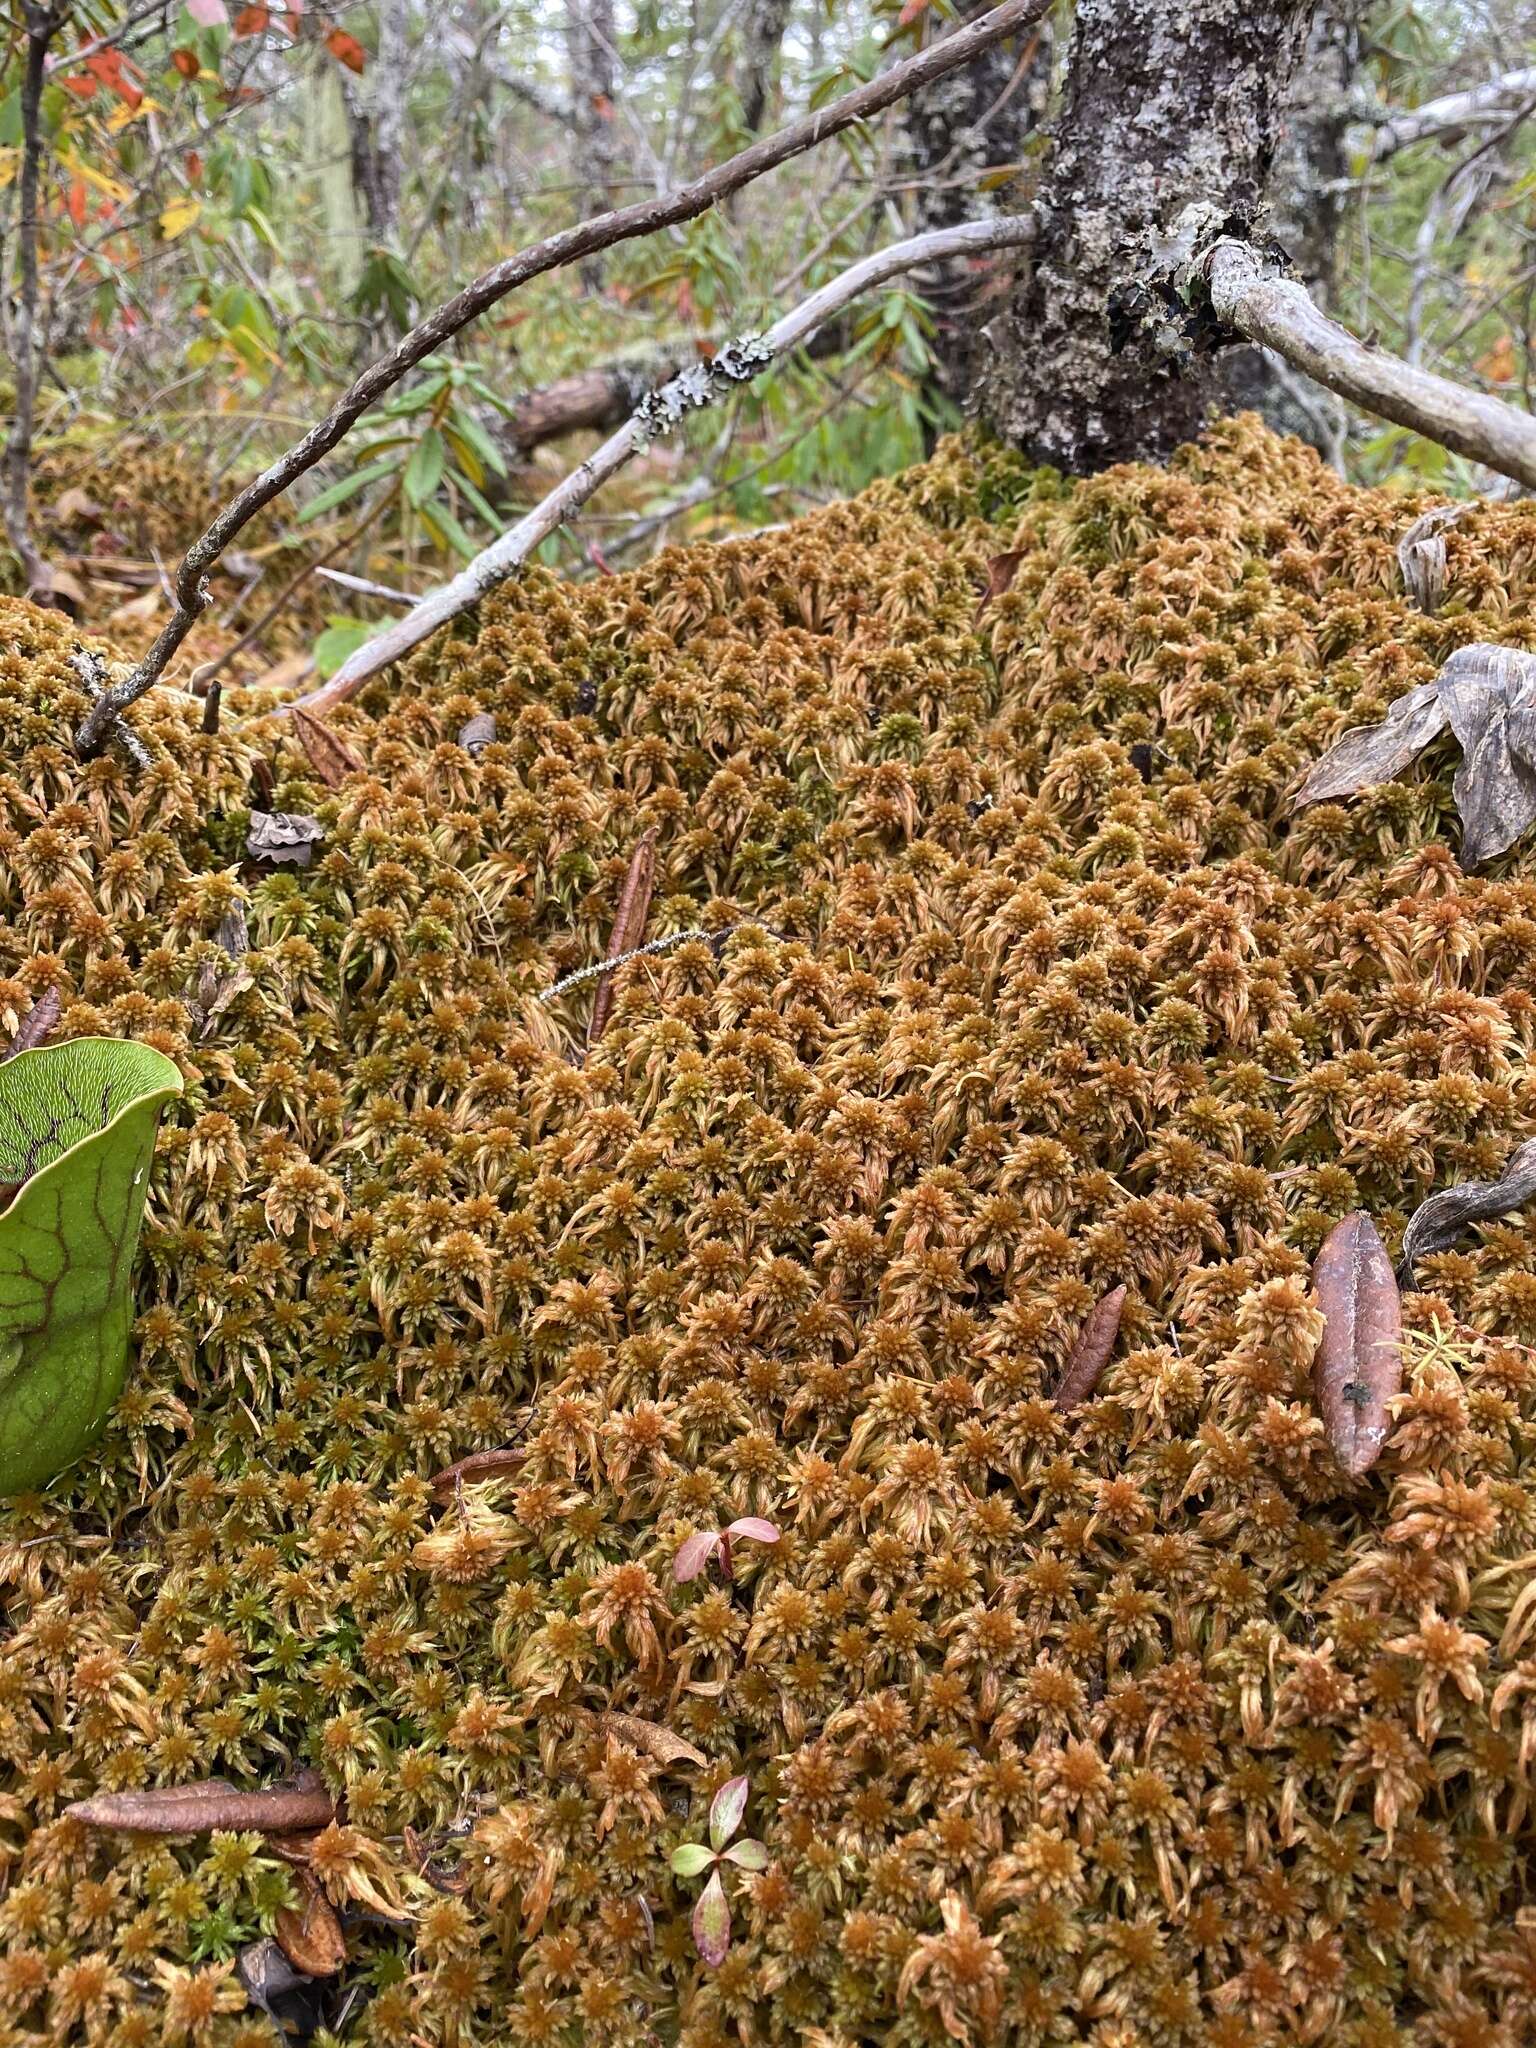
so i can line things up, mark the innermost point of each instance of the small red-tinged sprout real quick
(712, 1923)
(692, 1859)
(755, 1529)
(746, 1855)
(695, 1555)
(726, 1809)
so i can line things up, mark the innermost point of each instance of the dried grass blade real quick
(628, 927)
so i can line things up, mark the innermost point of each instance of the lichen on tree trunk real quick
(1165, 104)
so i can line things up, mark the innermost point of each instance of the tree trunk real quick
(41, 23)
(975, 120)
(1307, 196)
(1166, 104)
(376, 124)
(590, 49)
(762, 33)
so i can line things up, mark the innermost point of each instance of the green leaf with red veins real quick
(712, 1923)
(726, 1809)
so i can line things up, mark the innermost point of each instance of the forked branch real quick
(695, 387)
(667, 209)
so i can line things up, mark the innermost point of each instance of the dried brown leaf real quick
(1359, 1365)
(1001, 570)
(1437, 1223)
(310, 1936)
(211, 1803)
(477, 733)
(1489, 697)
(1421, 555)
(479, 1465)
(1375, 753)
(36, 1025)
(329, 755)
(283, 838)
(651, 1739)
(1090, 1354)
(628, 926)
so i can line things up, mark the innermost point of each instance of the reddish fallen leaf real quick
(479, 1465)
(628, 927)
(36, 1025)
(310, 1936)
(185, 61)
(346, 49)
(651, 1739)
(1001, 571)
(1359, 1366)
(329, 755)
(1090, 1354)
(82, 85)
(910, 12)
(250, 21)
(210, 1803)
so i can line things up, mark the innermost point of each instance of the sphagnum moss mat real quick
(1137, 1725)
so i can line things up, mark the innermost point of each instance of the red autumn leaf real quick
(185, 61)
(82, 85)
(910, 12)
(1090, 1354)
(1359, 1365)
(346, 49)
(112, 69)
(193, 164)
(250, 21)
(76, 202)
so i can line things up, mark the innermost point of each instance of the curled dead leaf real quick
(1359, 1364)
(310, 1936)
(651, 1739)
(1090, 1354)
(1421, 555)
(1437, 1223)
(329, 755)
(210, 1803)
(1001, 570)
(283, 839)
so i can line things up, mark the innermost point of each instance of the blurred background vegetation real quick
(240, 205)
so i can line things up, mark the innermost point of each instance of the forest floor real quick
(1012, 980)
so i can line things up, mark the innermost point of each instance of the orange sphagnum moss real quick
(1136, 1726)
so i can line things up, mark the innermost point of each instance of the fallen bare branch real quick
(586, 238)
(1479, 106)
(696, 387)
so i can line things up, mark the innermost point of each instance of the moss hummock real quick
(1138, 1726)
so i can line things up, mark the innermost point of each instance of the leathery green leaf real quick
(77, 1132)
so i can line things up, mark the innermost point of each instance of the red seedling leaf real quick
(1001, 571)
(311, 1937)
(1359, 1366)
(628, 927)
(346, 49)
(185, 61)
(77, 202)
(726, 1810)
(330, 756)
(210, 1803)
(82, 85)
(36, 1025)
(755, 1529)
(1090, 1354)
(250, 21)
(694, 1554)
(712, 1923)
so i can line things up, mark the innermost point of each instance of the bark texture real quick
(1307, 195)
(41, 25)
(762, 34)
(590, 53)
(1166, 103)
(975, 120)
